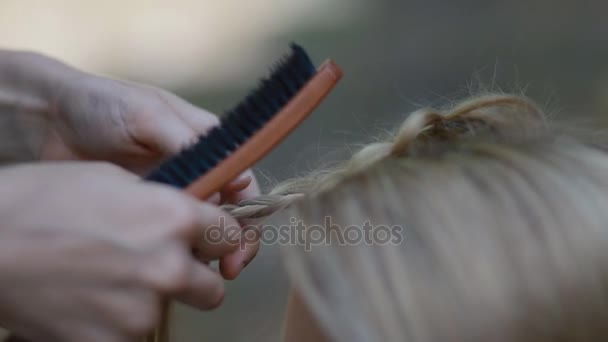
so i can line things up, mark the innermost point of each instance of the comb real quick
(253, 128)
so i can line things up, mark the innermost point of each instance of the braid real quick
(262, 206)
(488, 114)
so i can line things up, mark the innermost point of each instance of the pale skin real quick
(87, 249)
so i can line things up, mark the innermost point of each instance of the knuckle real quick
(176, 274)
(178, 213)
(184, 219)
(205, 292)
(169, 271)
(215, 216)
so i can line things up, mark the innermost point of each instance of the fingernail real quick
(240, 183)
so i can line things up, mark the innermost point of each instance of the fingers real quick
(230, 192)
(131, 312)
(204, 289)
(238, 185)
(185, 126)
(178, 123)
(224, 238)
(215, 199)
(251, 191)
(233, 264)
(173, 271)
(242, 188)
(204, 227)
(166, 268)
(170, 136)
(197, 119)
(189, 280)
(219, 234)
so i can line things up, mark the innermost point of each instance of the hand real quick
(135, 126)
(245, 187)
(129, 124)
(88, 250)
(86, 117)
(90, 117)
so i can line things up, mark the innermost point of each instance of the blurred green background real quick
(396, 56)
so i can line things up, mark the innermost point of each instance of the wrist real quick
(30, 81)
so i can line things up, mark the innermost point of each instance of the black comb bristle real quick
(240, 123)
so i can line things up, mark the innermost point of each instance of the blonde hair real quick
(491, 116)
(504, 222)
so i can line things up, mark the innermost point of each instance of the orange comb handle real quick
(272, 133)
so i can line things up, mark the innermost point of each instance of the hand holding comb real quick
(253, 128)
(247, 133)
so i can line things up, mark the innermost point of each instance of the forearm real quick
(29, 81)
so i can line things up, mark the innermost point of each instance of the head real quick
(502, 224)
